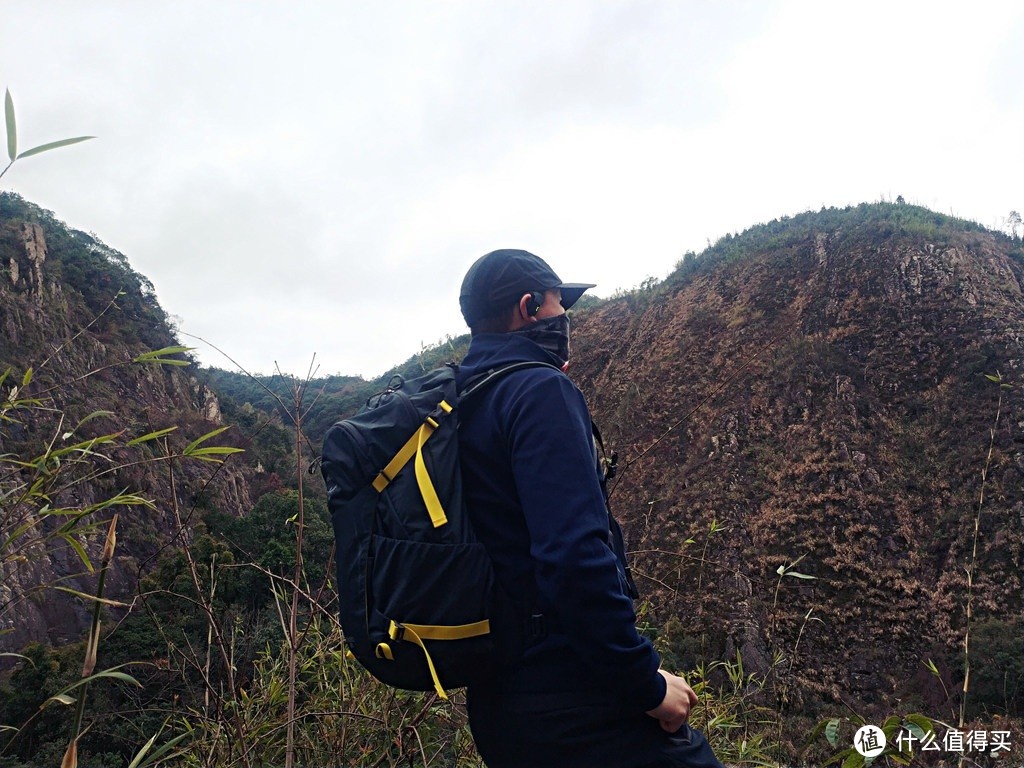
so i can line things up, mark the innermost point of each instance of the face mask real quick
(552, 335)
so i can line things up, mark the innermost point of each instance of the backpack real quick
(418, 600)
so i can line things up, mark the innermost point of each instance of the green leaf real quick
(192, 450)
(27, 378)
(919, 725)
(93, 598)
(840, 756)
(80, 550)
(916, 731)
(160, 356)
(195, 443)
(142, 752)
(890, 726)
(798, 575)
(96, 415)
(61, 698)
(832, 731)
(163, 749)
(111, 673)
(53, 145)
(151, 436)
(208, 454)
(12, 131)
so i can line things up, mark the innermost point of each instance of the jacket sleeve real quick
(551, 447)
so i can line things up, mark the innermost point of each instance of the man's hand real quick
(674, 709)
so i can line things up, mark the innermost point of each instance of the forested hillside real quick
(819, 426)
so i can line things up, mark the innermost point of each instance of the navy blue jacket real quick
(534, 497)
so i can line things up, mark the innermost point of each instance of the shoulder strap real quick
(483, 380)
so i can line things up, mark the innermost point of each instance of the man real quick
(587, 689)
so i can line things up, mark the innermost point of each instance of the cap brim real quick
(571, 292)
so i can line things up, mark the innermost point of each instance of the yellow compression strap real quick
(417, 633)
(414, 447)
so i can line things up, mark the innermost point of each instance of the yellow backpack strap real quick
(417, 633)
(414, 447)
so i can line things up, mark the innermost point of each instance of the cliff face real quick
(74, 312)
(812, 396)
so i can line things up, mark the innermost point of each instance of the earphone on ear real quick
(533, 304)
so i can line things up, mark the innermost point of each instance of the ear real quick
(524, 313)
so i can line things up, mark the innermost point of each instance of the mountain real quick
(814, 398)
(73, 317)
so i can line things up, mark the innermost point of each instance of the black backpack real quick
(419, 604)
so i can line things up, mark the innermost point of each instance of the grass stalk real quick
(92, 646)
(996, 379)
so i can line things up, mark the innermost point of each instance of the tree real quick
(1013, 221)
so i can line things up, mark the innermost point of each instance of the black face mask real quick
(550, 334)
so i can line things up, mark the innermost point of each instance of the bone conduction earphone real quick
(534, 303)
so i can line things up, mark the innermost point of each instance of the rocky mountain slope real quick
(74, 315)
(813, 398)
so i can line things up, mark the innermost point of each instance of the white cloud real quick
(315, 177)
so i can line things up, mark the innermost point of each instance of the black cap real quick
(501, 277)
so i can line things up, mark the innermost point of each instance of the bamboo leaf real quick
(138, 762)
(79, 550)
(111, 673)
(93, 598)
(12, 130)
(142, 752)
(53, 145)
(151, 436)
(199, 440)
(160, 356)
(210, 454)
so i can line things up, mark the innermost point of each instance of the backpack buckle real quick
(396, 631)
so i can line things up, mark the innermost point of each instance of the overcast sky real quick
(300, 177)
